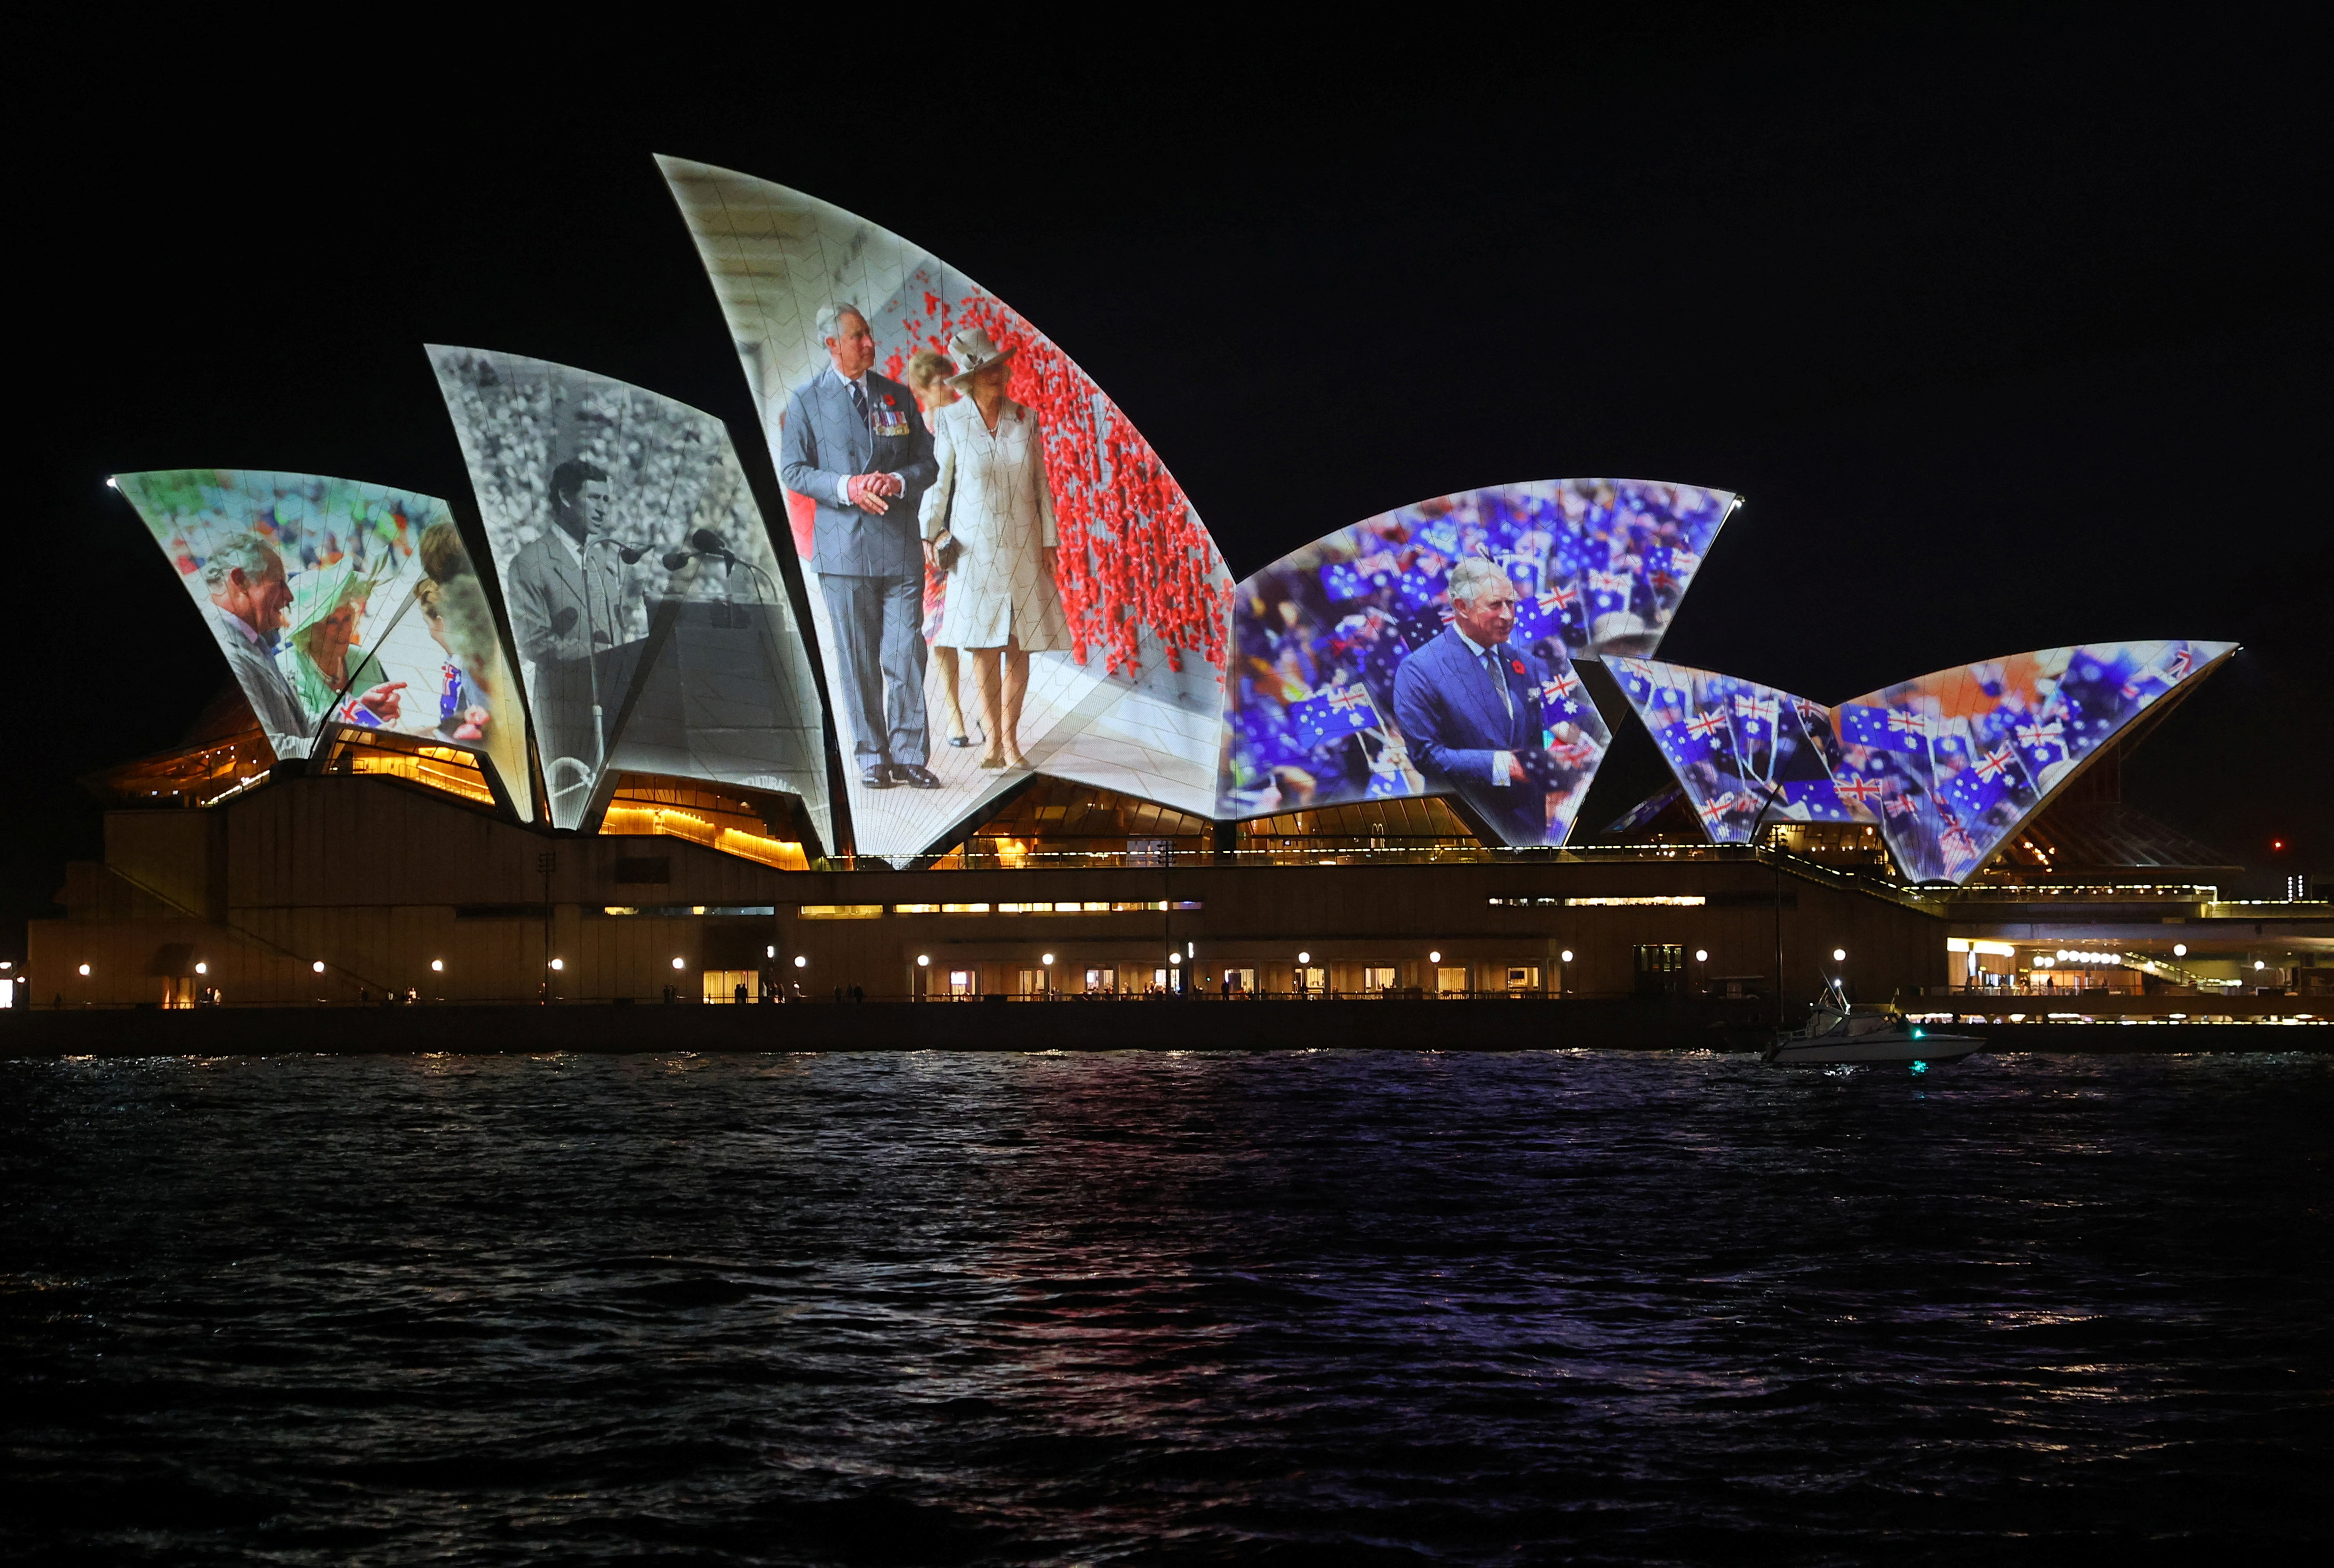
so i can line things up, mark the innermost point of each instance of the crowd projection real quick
(644, 598)
(1746, 755)
(1004, 576)
(338, 602)
(1430, 651)
(1951, 763)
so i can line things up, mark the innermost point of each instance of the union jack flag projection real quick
(1994, 763)
(1756, 710)
(1711, 811)
(1862, 790)
(1707, 726)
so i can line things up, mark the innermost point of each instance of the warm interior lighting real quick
(648, 804)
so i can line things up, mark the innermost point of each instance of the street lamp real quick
(437, 965)
(1434, 958)
(1047, 959)
(1565, 957)
(2179, 949)
(318, 966)
(1839, 954)
(679, 964)
(801, 961)
(559, 963)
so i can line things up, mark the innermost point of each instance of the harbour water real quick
(1273, 1306)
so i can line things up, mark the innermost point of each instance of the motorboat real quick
(1838, 1031)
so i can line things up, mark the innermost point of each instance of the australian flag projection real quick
(1744, 754)
(1951, 763)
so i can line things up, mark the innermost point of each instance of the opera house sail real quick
(343, 608)
(651, 621)
(1003, 577)
(1430, 651)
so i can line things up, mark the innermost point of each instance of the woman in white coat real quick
(989, 522)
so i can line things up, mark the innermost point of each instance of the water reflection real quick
(1187, 1307)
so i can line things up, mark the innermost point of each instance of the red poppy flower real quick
(1518, 664)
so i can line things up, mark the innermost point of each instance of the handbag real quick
(945, 550)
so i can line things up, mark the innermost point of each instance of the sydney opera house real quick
(956, 698)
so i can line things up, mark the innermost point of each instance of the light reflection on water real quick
(1333, 1306)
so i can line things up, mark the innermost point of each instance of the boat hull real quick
(1887, 1046)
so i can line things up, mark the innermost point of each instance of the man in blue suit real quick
(1468, 705)
(853, 444)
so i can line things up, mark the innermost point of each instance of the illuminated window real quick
(724, 818)
(450, 770)
(840, 912)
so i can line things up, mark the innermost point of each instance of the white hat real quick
(973, 350)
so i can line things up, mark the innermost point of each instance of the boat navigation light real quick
(1920, 1067)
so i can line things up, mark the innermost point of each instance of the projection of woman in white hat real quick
(988, 523)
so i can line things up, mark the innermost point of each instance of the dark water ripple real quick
(1339, 1308)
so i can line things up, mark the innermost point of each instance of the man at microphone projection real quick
(570, 598)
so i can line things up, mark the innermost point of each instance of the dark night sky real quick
(2014, 334)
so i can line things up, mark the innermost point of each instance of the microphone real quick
(706, 541)
(674, 559)
(629, 554)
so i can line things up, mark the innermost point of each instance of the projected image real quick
(338, 602)
(1951, 763)
(1005, 578)
(643, 595)
(1746, 755)
(1321, 712)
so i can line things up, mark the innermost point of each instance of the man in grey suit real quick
(853, 444)
(570, 599)
(244, 576)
